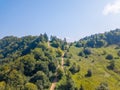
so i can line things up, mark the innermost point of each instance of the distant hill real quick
(37, 62)
(99, 40)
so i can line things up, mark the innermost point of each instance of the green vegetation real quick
(109, 57)
(34, 62)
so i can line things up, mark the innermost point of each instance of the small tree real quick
(109, 57)
(118, 53)
(100, 43)
(59, 73)
(46, 37)
(52, 66)
(111, 66)
(81, 54)
(67, 83)
(87, 51)
(2, 85)
(89, 73)
(67, 55)
(41, 80)
(67, 62)
(78, 44)
(74, 68)
(59, 52)
(30, 86)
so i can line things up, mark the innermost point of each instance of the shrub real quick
(59, 52)
(87, 51)
(30, 86)
(89, 73)
(81, 54)
(78, 44)
(2, 85)
(118, 53)
(104, 52)
(67, 55)
(109, 57)
(59, 73)
(111, 66)
(67, 63)
(74, 68)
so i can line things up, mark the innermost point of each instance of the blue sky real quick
(72, 19)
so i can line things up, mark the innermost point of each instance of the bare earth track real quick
(53, 85)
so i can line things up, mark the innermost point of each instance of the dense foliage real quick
(100, 40)
(28, 63)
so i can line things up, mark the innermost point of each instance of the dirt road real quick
(53, 85)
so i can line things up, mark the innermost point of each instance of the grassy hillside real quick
(35, 63)
(97, 63)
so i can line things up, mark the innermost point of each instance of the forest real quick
(43, 63)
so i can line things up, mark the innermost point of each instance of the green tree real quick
(109, 57)
(46, 37)
(41, 80)
(87, 51)
(89, 73)
(28, 62)
(67, 55)
(59, 73)
(30, 86)
(14, 78)
(2, 85)
(91, 43)
(59, 52)
(100, 43)
(118, 53)
(38, 53)
(78, 44)
(52, 66)
(81, 54)
(111, 66)
(67, 83)
(74, 68)
(41, 66)
(67, 62)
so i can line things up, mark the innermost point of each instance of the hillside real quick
(37, 62)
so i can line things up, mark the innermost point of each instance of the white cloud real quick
(112, 8)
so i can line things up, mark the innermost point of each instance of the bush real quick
(74, 68)
(2, 85)
(104, 52)
(78, 44)
(89, 73)
(118, 53)
(100, 43)
(81, 54)
(41, 80)
(109, 57)
(87, 51)
(59, 52)
(111, 66)
(67, 55)
(59, 73)
(30, 86)
(67, 63)
(67, 83)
